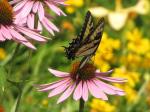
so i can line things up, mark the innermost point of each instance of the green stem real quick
(12, 56)
(81, 105)
(18, 100)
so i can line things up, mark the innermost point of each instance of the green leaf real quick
(2, 78)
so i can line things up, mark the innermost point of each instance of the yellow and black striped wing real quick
(87, 26)
(89, 47)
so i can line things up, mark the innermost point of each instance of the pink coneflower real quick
(9, 30)
(31, 10)
(88, 80)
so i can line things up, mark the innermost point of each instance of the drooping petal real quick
(28, 44)
(47, 88)
(30, 21)
(35, 7)
(31, 34)
(26, 9)
(17, 35)
(39, 27)
(6, 33)
(50, 24)
(103, 73)
(1, 36)
(85, 91)
(95, 91)
(54, 8)
(59, 89)
(58, 73)
(111, 79)
(104, 87)
(47, 27)
(20, 5)
(41, 11)
(107, 88)
(67, 93)
(78, 91)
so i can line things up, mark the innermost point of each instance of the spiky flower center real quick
(85, 73)
(6, 13)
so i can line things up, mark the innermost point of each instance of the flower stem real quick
(18, 100)
(12, 55)
(81, 105)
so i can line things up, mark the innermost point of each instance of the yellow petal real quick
(99, 11)
(142, 7)
(117, 19)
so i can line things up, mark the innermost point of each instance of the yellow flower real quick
(132, 77)
(76, 3)
(2, 54)
(45, 102)
(137, 43)
(131, 93)
(104, 54)
(146, 61)
(73, 4)
(101, 106)
(70, 9)
(131, 60)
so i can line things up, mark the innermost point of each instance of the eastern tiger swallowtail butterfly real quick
(87, 42)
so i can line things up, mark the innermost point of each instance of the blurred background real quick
(125, 47)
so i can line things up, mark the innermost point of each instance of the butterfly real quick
(87, 42)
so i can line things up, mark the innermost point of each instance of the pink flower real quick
(29, 10)
(88, 80)
(11, 31)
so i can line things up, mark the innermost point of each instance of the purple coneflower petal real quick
(28, 44)
(26, 9)
(58, 73)
(67, 93)
(2, 37)
(41, 12)
(59, 89)
(47, 88)
(104, 87)
(35, 7)
(47, 27)
(39, 27)
(85, 91)
(6, 33)
(117, 90)
(31, 34)
(78, 91)
(16, 35)
(20, 5)
(30, 21)
(95, 91)
(115, 80)
(54, 8)
(103, 73)
(14, 2)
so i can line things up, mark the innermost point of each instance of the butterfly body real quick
(87, 42)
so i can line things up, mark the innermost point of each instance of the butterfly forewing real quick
(90, 47)
(79, 40)
(87, 26)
